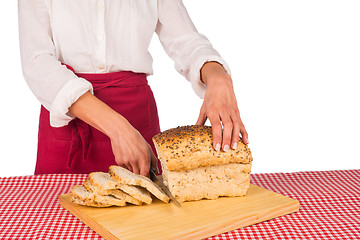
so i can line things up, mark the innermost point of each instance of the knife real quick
(156, 180)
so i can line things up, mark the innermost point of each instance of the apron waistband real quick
(81, 131)
(118, 79)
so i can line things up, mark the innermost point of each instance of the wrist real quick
(113, 124)
(99, 115)
(210, 70)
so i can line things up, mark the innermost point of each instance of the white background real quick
(295, 67)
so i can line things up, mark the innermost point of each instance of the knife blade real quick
(155, 179)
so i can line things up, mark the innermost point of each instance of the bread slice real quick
(137, 192)
(126, 197)
(124, 176)
(81, 193)
(104, 182)
(110, 200)
(190, 147)
(113, 192)
(90, 188)
(88, 203)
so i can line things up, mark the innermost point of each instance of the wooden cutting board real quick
(194, 220)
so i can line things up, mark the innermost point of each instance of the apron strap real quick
(80, 140)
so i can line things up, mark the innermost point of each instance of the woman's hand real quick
(220, 105)
(130, 149)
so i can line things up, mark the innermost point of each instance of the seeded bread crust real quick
(190, 147)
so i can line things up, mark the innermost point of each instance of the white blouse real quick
(101, 36)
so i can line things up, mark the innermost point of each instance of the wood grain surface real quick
(194, 220)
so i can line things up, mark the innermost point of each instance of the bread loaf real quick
(193, 170)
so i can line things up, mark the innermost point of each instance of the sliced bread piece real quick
(80, 192)
(113, 192)
(102, 180)
(110, 200)
(137, 192)
(124, 176)
(87, 203)
(87, 185)
(126, 197)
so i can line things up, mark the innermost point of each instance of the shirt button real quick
(100, 7)
(101, 36)
(101, 66)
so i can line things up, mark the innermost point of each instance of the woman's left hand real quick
(220, 105)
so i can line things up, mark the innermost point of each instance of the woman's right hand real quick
(130, 149)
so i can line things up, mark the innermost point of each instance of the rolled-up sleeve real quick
(53, 84)
(184, 44)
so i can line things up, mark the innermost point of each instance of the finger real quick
(202, 118)
(128, 167)
(135, 167)
(216, 130)
(123, 165)
(244, 134)
(145, 168)
(235, 133)
(227, 132)
(144, 164)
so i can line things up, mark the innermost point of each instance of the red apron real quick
(80, 148)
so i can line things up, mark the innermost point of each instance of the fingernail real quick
(234, 146)
(247, 140)
(226, 148)
(217, 148)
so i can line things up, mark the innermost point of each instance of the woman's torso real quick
(98, 36)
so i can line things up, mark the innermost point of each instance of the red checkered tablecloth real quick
(329, 207)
